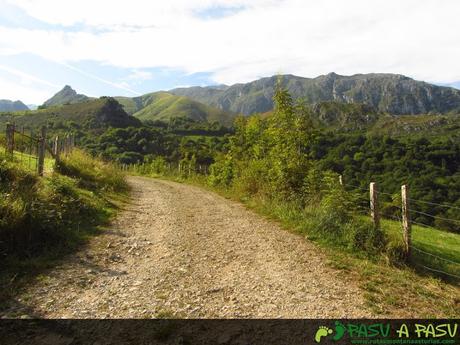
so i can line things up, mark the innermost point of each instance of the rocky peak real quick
(66, 96)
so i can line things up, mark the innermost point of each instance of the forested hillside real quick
(92, 115)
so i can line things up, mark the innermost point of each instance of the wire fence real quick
(421, 258)
(33, 150)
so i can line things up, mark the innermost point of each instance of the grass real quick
(29, 162)
(45, 218)
(443, 248)
(402, 291)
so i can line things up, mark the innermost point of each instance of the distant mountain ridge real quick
(7, 105)
(153, 106)
(66, 96)
(94, 115)
(391, 93)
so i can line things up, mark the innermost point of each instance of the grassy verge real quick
(389, 290)
(402, 291)
(44, 218)
(432, 249)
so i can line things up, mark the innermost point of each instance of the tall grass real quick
(42, 218)
(90, 173)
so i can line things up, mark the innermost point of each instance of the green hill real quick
(98, 113)
(164, 106)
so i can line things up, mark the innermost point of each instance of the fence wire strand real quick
(436, 256)
(438, 271)
(435, 204)
(436, 217)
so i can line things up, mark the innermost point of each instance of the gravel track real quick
(178, 250)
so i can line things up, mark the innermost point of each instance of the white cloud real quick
(139, 75)
(419, 38)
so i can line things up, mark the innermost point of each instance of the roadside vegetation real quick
(44, 218)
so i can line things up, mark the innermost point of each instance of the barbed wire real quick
(398, 193)
(436, 256)
(357, 187)
(433, 216)
(438, 271)
(367, 190)
(421, 224)
(361, 208)
(435, 204)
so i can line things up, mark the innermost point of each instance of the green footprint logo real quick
(339, 331)
(322, 331)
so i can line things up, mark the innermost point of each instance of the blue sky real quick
(131, 48)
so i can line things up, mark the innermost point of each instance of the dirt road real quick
(181, 251)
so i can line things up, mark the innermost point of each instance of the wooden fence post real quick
(9, 140)
(374, 204)
(41, 151)
(56, 147)
(407, 226)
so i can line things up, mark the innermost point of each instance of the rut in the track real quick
(178, 250)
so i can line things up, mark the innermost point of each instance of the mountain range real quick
(390, 93)
(7, 105)
(349, 102)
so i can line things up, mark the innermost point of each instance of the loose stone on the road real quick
(178, 250)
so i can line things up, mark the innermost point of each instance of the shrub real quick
(252, 178)
(221, 172)
(157, 165)
(92, 173)
(361, 234)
